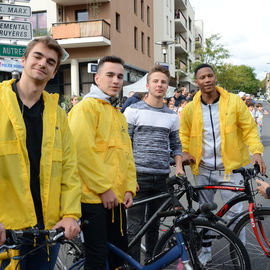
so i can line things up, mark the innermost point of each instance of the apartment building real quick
(174, 22)
(91, 29)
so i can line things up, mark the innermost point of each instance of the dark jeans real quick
(100, 225)
(150, 185)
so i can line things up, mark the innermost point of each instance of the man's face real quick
(177, 94)
(206, 80)
(158, 84)
(40, 63)
(110, 78)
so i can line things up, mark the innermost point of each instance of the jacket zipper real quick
(212, 124)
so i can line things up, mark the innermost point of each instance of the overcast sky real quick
(244, 26)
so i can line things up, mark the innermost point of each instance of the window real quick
(117, 21)
(142, 41)
(148, 46)
(189, 24)
(167, 25)
(148, 15)
(135, 38)
(142, 9)
(190, 45)
(135, 7)
(81, 15)
(170, 28)
(39, 23)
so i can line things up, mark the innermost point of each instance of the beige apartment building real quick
(91, 29)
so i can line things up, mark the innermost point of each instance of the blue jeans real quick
(150, 185)
(41, 259)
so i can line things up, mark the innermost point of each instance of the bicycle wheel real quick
(226, 250)
(69, 254)
(244, 230)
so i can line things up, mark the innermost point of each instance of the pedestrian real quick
(136, 97)
(105, 163)
(215, 130)
(152, 127)
(40, 185)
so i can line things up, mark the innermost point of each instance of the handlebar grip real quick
(240, 170)
(175, 180)
(207, 207)
(172, 213)
(256, 168)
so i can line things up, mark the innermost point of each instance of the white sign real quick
(16, 30)
(10, 65)
(15, 10)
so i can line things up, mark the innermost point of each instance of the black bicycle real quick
(200, 230)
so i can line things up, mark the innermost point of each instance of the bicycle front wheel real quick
(244, 230)
(222, 249)
(70, 255)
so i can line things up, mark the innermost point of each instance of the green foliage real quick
(262, 85)
(242, 78)
(213, 53)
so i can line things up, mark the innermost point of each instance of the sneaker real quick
(205, 257)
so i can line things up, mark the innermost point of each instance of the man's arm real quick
(2, 234)
(250, 134)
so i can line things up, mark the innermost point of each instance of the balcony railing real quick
(179, 16)
(180, 65)
(93, 28)
(180, 40)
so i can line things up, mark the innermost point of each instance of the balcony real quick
(180, 44)
(181, 4)
(82, 34)
(180, 22)
(181, 68)
(78, 2)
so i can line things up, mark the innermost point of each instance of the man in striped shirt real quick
(153, 129)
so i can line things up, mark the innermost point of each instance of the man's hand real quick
(109, 199)
(188, 159)
(2, 234)
(128, 199)
(257, 158)
(70, 225)
(262, 188)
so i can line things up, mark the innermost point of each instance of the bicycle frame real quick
(233, 201)
(170, 256)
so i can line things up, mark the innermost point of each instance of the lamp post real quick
(164, 47)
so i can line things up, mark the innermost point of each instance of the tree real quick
(241, 78)
(213, 53)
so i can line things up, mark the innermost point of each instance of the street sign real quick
(10, 65)
(11, 50)
(15, 10)
(16, 30)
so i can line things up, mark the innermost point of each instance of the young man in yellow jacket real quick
(105, 163)
(40, 185)
(215, 130)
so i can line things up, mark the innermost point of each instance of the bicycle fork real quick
(182, 247)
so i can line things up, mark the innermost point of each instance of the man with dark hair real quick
(152, 127)
(40, 185)
(105, 164)
(215, 130)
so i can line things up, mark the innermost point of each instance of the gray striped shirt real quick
(153, 132)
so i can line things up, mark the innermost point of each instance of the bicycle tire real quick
(70, 253)
(228, 252)
(261, 261)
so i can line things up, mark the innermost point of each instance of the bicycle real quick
(191, 228)
(16, 238)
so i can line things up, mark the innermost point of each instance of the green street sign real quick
(13, 51)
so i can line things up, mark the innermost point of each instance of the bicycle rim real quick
(245, 232)
(227, 252)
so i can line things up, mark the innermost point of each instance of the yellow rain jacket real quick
(237, 129)
(60, 187)
(105, 158)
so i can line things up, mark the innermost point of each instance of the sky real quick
(244, 26)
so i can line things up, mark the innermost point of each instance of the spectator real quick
(251, 108)
(73, 101)
(177, 94)
(131, 93)
(105, 163)
(181, 106)
(40, 185)
(152, 127)
(171, 104)
(136, 97)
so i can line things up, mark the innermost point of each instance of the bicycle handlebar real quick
(15, 238)
(250, 172)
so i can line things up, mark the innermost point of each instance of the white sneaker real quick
(205, 257)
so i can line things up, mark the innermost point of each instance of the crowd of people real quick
(92, 164)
